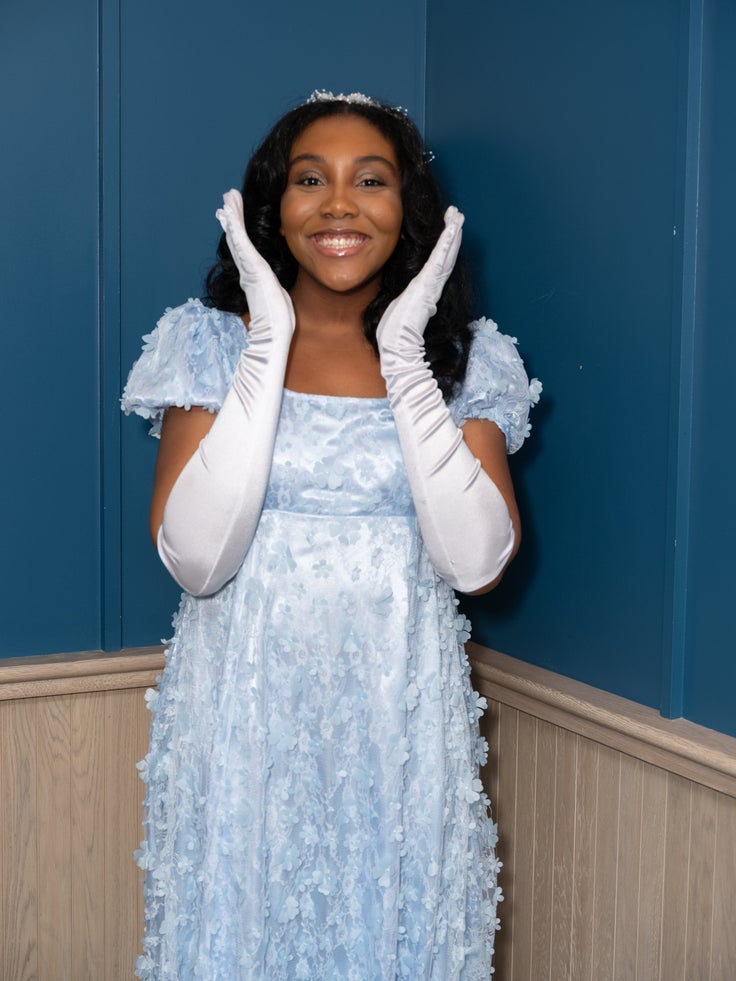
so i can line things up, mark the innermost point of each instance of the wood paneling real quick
(70, 820)
(542, 848)
(614, 868)
(676, 745)
(126, 737)
(88, 835)
(19, 829)
(676, 875)
(566, 746)
(651, 873)
(723, 942)
(583, 882)
(54, 816)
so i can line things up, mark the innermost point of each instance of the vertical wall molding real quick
(684, 328)
(109, 253)
(421, 64)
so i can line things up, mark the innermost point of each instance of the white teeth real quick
(339, 242)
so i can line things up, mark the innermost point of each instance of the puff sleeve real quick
(496, 386)
(189, 359)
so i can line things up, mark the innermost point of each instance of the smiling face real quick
(341, 212)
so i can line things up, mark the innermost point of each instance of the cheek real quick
(399, 222)
(391, 219)
(289, 214)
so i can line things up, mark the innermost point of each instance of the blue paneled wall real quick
(122, 124)
(709, 689)
(49, 490)
(591, 148)
(201, 85)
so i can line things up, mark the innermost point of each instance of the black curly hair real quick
(447, 337)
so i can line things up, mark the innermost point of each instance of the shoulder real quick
(197, 332)
(188, 359)
(496, 385)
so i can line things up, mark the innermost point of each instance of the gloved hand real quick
(462, 515)
(214, 507)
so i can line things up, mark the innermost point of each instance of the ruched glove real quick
(215, 505)
(462, 515)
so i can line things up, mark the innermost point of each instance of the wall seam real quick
(675, 648)
(422, 58)
(109, 311)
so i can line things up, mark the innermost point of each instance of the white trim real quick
(676, 745)
(64, 674)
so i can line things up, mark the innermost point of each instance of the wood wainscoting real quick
(617, 828)
(71, 731)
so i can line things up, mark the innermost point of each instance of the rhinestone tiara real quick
(356, 98)
(359, 99)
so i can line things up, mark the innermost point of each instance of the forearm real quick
(214, 507)
(463, 517)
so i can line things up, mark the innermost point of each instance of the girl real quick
(313, 802)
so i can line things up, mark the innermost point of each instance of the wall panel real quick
(710, 671)
(49, 496)
(556, 131)
(123, 125)
(70, 817)
(640, 859)
(54, 818)
(18, 836)
(592, 150)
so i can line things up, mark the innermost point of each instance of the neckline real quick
(376, 399)
(364, 399)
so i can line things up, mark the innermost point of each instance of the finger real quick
(230, 215)
(249, 261)
(432, 278)
(444, 254)
(453, 215)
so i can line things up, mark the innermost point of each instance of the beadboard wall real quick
(71, 732)
(617, 828)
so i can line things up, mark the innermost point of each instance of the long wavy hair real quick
(447, 337)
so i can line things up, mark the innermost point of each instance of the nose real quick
(339, 201)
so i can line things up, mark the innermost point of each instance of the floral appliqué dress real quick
(313, 803)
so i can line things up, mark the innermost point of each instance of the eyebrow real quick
(315, 158)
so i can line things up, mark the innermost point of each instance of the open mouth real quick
(340, 244)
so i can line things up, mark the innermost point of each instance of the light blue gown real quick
(313, 803)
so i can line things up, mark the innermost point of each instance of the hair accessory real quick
(359, 99)
(356, 98)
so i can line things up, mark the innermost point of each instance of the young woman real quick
(332, 465)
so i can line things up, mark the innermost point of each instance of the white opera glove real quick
(462, 515)
(215, 505)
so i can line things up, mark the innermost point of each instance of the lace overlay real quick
(313, 806)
